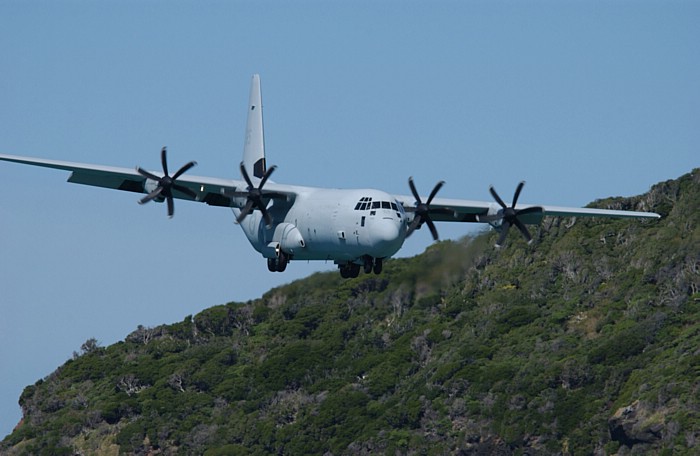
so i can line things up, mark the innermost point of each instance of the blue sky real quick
(583, 100)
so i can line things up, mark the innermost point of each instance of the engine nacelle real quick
(289, 238)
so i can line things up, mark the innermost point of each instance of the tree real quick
(89, 346)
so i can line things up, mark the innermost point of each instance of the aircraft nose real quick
(386, 231)
(386, 237)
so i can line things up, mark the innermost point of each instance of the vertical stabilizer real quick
(254, 147)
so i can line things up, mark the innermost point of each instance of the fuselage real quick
(330, 224)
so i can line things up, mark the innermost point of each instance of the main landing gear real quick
(352, 270)
(278, 264)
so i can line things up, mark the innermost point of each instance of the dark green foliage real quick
(526, 350)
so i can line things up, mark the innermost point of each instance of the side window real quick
(395, 207)
(376, 204)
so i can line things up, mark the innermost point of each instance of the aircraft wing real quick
(210, 190)
(457, 210)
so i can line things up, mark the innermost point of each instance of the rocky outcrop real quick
(636, 423)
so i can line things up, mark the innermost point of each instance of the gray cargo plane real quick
(356, 228)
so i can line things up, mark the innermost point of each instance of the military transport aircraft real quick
(354, 228)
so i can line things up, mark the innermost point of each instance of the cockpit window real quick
(363, 204)
(366, 203)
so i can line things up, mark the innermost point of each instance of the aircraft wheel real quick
(349, 270)
(272, 264)
(378, 263)
(282, 262)
(369, 263)
(278, 264)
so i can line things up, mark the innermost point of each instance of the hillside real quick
(585, 342)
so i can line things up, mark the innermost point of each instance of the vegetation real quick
(585, 342)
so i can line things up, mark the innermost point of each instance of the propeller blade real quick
(530, 210)
(504, 233)
(171, 206)
(433, 230)
(436, 189)
(413, 189)
(496, 197)
(151, 196)
(164, 160)
(245, 211)
(186, 167)
(145, 173)
(266, 216)
(518, 189)
(267, 175)
(523, 229)
(414, 224)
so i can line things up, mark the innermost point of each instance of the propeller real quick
(422, 210)
(254, 196)
(510, 215)
(167, 183)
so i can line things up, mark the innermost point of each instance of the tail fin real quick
(254, 147)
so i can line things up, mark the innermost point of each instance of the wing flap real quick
(118, 182)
